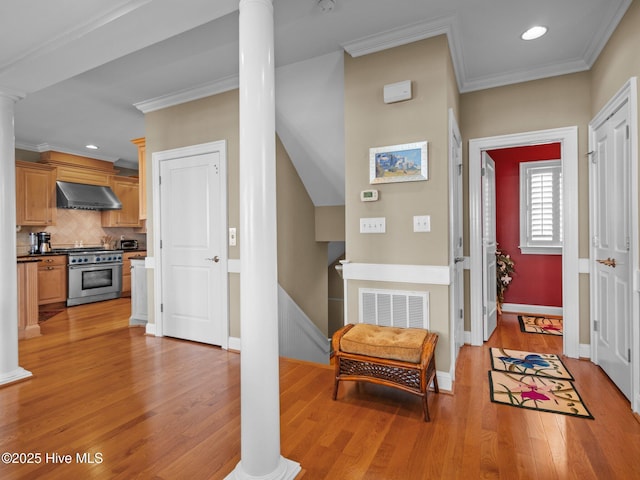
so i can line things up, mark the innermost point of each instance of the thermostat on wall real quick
(369, 195)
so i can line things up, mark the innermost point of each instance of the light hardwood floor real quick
(159, 408)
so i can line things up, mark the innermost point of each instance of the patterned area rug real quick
(529, 363)
(537, 393)
(546, 325)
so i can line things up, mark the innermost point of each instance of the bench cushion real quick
(404, 344)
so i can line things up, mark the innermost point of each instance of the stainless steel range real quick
(93, 275)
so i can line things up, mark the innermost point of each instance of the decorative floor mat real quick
(529, 363)
(537, 393)
(546, 325)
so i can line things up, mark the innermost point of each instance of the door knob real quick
(609, 262)
(215, 259)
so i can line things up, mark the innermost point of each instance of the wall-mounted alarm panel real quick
(369, 195)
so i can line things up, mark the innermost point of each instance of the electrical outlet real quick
(373, 225)
(422, 223)
(232, 237)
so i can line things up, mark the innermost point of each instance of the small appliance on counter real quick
(44, 242)
(34, 247)
(128, 244)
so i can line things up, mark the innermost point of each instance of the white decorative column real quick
(9, 369)
(260, 389)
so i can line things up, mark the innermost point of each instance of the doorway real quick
(190, 225)
(568, 139)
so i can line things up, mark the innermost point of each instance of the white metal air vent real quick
(393, 308)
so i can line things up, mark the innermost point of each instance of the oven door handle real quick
(86, 266)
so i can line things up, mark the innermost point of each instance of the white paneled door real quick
(489, 245)
(457, 250)
(193, 254)
(611, 270)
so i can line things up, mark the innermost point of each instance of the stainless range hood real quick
(86, 197)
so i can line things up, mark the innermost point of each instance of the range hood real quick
(86, 197)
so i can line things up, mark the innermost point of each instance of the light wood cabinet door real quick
(52, 279)
(35, 194)
(126, 189)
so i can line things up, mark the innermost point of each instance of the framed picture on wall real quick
(399, 163)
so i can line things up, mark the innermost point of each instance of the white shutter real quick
(541, 207)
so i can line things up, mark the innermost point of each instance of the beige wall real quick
(618, 61)
(217, 118)
(538, 105)
(302, 261)
(330, 224)
(369, 122)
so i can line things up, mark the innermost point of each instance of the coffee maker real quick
(44, 242)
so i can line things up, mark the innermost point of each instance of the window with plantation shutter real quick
(541, 207)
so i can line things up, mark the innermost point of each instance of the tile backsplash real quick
(74, 226)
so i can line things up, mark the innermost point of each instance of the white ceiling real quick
(82, 65)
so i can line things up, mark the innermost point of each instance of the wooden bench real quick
(401, 358)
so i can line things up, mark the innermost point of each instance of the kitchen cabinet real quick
(126, 189)
(126, 270)
(28, 298)
(35, 194)
(142, 174)
(52, 279)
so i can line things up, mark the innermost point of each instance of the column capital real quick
(14, 95)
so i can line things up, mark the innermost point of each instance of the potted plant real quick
(504, 271)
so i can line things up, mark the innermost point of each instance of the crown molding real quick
(398, 36)
(120, 9)
(599, 41)
(45, 147)
(187, 95)
(547, 71)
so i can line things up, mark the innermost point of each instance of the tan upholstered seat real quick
(404, 344)
(402, 358)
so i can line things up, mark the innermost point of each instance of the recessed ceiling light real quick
(534, 32)
(91, 147)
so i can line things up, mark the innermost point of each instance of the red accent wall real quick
(538, 278)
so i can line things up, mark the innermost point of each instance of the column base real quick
(14, 376)
(286, 470)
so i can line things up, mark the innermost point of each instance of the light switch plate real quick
(373, 225)
(233, 239)
(422, 223)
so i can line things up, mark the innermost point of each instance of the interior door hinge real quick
(461, 313)
(160, 243)
(627, 132)
(629, 355)
(459, 169)
(482, 172)
(159, 180)
(162, 307)
(595, 325)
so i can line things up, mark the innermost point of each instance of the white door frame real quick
(568, 138)
(156, 159)
(628, 93)
(454, 139)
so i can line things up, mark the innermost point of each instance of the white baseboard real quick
(150, 329)
(531, 309)
(235, 343)
(584, 350)
(14, 376)
(444, 381)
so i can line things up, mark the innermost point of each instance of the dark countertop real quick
(37, 255)
(29, 259)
